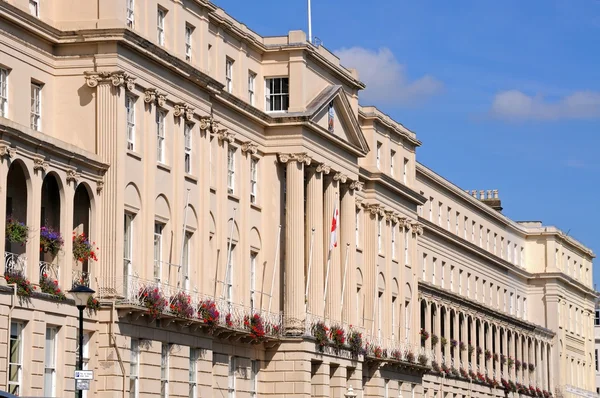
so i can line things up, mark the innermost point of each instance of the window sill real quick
(233, 197)
(255, 207)
(213, 189)
(163, 167)
(191, 178)
(134, 154)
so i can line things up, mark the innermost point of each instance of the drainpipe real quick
(13, 301)
(113, 341)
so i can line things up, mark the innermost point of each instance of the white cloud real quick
(385, 77)
(515, 105)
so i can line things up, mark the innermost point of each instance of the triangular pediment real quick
(332, 114)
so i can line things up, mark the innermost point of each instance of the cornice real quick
(394, 185)
(389, 123)
(486, 312)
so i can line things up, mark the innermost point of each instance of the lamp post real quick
(81, 295)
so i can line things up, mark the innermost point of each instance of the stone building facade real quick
(206, 165)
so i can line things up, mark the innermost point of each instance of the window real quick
(508, 252)
(277, 93)
(405, 172)
(158, 231)
(130, 14)
(433, 266)
(430, 209)
(472, 231)
(378, 154)
(442, 273)
(379, 235)
(511, 303)
(160, 25)
(128, 243)
(193, 379)
(596, 363)
(481, 236)
(476, 288)
(406, 256)
(253, 180)
(130, 107)
(50, 362)
(394, 227)
(392, 161)
(189, 30)
(187, 139)
(452, 278)
(495, 239)
(597, 318)
(501, 247)
(487, 241)
(424, 268)
(465, 227)
(185, 261)
(164, 370)
(460, 282)
(440, 205)
(357, 227)
(231, 377)
(253, 256)
(34, 8)
(394, 317)
(386, 391)
(134, 369)
(380, 313)
(406, 320)
(251, 84)
(229, 273)
(160, 135)
(229, 75)
(468, 285)
(86, 354)
(457, 220)
(505, 299)
(231, 171)
(254, 368)
(3, 92)
(15, 361)
(36, 106)
(448, 218)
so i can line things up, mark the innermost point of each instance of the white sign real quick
(82, 385)
(84, 375)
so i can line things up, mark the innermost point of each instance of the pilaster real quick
(314, 222)
(332, 257)
(348, 224)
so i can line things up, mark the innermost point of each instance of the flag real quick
(334, 229)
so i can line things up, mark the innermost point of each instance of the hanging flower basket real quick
(518, 365)
(93, 305)
(154, 301)
(531, 368)
(396, 355)
(488, 355)
(16, 231)
(51, 241)
(320, 332)
(471, 349)
(181, 305)
(410, 357)
(24, 287)
(462, 346)
(510, 362)
(50, 286)
(208, 313)
(83, 249)
(424, 335)
(355, 342)
(444, 341)
(337, 337)
(256, 327)
(434, 340)
(422, 359)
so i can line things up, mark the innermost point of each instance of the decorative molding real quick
(116, 78)
(417, 228)
(357, 186)
(8, 151)
(161, 99)
(295, 157)
(39, 163)
(73, 176)
(323, 168)
(375, 209)
(152, 94)
(358, 202)
(205, 122)
(225, 135)
(99, 186)
(183, 110)
(340, 177)
(249, 146)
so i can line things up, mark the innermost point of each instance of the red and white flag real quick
(334, 229)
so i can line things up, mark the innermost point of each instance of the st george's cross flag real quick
(334, 229)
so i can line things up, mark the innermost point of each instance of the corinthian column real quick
(111, 149)
(334, 287)
(348, 247)
(294, 241)
(314, 221)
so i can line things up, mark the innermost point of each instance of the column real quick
(294, 241)
(511, 354)
(473, 341)
(427, 323)
(348, 239)
(481, 344)
(538, 364)
(438, 332)
(447, 357)
(465, 341)
(370, 268)
(551, 370)
(497, 348)
(109, 130)
(456, 350)
(314, 221)
(332, 257)
(488, 346)
(4, 167)
(34, 203)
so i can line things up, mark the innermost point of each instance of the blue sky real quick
(503, 94)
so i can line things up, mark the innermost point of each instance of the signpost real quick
(83, 379)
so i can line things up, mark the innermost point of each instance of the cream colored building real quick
(207, 162)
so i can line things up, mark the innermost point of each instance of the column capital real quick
(225, 135)
(116, 78)
(250, 147)
(39, 163)
(340, 177)
(73, 176)
(7, 151)
(356, 186)
(323, 168)
(416, 228)
(152, 94)
(182, 109)
(295, 157)
(375, 209)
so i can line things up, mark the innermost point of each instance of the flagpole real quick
(312, 238)
(344, 280)
(309, 24)
(274, 267)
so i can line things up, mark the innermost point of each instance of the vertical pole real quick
(80, 362)
(309, 24)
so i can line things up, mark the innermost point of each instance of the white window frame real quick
(424, 268)
(394, 316)
(130, 111)
(231, 377)
(128, 242)
(193, 374)
(440, 207)
(253, 180)
(253, 261)
(86, 354)
(405, 172)
(270, 96)
(442, 274)
(165, 354)
(433, 265)
(465, 228)
(130, 14)
(379, 314)
(406, 242)
(357, 227)
(251, 87)
(392, 161)
(161, 14)
(448, 218)
(480, 235)
(452, 278)
(4, 72)
(161, 116)
(16, 338)
(379, 235)
(229, 275)
(394, 227)
(158, 235)
(229, 75)
(231, 152)
(430, 209)
(185, 263)
(134, 369)
(254, 370)
(36, 106)
(407, 320)
(460, 281)
(189, 32)
(457, 222)
(34, 8)
(187, 147)
(378, 154)
(50, 366)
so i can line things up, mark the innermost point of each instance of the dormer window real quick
(277, 94)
